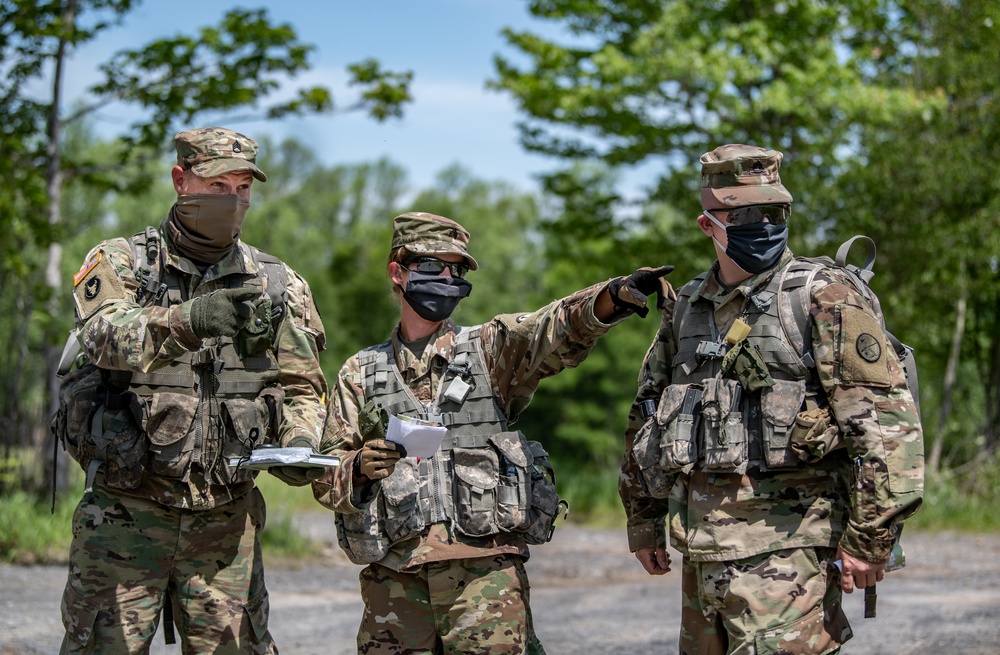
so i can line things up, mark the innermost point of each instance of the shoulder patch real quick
(95, 284)
(861, 347)
(87, 267)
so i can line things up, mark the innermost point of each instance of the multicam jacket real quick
(519, 350)
(200, 401)
(854, 492)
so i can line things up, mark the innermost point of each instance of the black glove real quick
(378, 459)
(222, 313)
(297, 476)
(631, 292)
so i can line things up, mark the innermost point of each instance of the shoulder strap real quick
(684, 303)
(277, 283)
(146, 264)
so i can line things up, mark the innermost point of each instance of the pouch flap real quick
(477, 467)
(783, 401)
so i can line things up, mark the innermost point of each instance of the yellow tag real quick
(738, 331)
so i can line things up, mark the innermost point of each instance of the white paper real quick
(263, 458)
(419, 438)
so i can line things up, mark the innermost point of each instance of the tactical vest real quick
(713, 422)
(483, 480)
(201, 409)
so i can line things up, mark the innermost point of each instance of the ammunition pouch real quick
(507, 484)
(712, 426)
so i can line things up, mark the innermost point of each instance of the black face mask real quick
(754, 247)
(434, 297)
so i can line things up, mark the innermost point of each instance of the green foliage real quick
(963, 500)
(30, 533)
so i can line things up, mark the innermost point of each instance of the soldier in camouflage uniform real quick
(444, 538)
(770, 455)
(199, 364)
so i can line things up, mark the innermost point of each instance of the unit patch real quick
(92, 288)
(87, 267)
(860, 348)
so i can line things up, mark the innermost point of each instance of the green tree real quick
(233, 66)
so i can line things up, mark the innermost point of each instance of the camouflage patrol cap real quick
(214, 151)
(428, 234)
(737, 175)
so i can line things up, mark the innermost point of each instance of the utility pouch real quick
(126, 447)
(399, 499)
(167, 420)
(814, 435)
(477, 475)
(678, 415)
(779, 406)
(725, 435)
(745, 363)
(545, 502)
(246, 424)
(514, 489)
(647, 451)
(362, 535)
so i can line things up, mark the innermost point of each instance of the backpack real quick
(860, 276)
(92, 413)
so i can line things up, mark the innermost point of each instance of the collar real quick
(711, 289)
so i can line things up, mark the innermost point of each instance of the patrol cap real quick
(737, 175)
(214, 151)
(428, 234)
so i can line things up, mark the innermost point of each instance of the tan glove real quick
(631, 292)
(377, 459)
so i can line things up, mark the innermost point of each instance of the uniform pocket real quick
(779, 406)
(79, 614)
(257, 609)
(823, 630)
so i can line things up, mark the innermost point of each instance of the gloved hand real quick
(631, 292)
(222, 313)
(297, 476)
(377, 459)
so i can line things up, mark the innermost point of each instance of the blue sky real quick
(448, 44)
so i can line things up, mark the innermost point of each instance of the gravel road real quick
(589, 595)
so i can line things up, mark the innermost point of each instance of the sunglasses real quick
(776, 214)
(435, 266)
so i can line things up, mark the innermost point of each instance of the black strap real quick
(168, 619)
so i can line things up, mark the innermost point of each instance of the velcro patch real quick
(861, 348)
(95, 284)
(87, 267)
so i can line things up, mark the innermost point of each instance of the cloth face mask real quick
(206, 226)
(754, 247)
(434, 297)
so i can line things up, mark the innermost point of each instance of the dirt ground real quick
(589, 595)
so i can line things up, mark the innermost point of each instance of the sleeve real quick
(522, 349)
(341, 437)
(866, 387)
(299, 340)
(645, 515)
(115, 331)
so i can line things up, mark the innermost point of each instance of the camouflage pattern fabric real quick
(785, 602)
(719, 516)
(519, 349)
(127, 552)
(119, 334)
(214, 151)
(451, 607)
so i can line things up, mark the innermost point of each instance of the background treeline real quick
(886, 112)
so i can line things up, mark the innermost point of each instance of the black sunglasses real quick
(776, 214)
(435, 266)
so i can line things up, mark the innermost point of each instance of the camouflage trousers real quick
(128, 556)
(453, 607)
(783, 603)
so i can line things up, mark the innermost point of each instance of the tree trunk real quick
(934, 460)
(56, 467)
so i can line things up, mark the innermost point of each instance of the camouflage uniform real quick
(758, 539)
(442, 591)
(184, 525)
